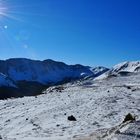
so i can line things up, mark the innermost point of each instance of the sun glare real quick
(7, 12)
(3, 10)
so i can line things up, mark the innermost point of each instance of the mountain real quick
(99, 70)
(45, 72)
(32, 76)
(99, 107)
(133, 66)
(122, 69)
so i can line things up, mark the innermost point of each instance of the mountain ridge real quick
(122, 69)
(19, 69)
(30, 77)
(27, 73)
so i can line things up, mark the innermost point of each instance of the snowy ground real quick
(97, 105)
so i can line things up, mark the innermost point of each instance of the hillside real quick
(122, 69)
(98, 106)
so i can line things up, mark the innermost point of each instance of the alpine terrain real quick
(75, 103)
(24, 77)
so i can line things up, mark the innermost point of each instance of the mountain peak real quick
(128, 66)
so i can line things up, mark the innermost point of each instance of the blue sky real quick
(90, 32)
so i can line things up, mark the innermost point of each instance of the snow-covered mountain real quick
(30, 77)
(122, 69)
(99, 70)
(133, 66)
(98, 106)
(35, 74)
(44, 72)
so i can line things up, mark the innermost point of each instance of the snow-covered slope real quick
(123, 69)
(5, 81)
(96, 105)
(99, 70)
(123, 131)
(133, 66)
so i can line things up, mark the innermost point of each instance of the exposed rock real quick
(129, 117)
(72, 118)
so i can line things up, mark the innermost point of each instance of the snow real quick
(127, 66)
(99, 69)
(102, 76)
(97, 105)
(131, 67)
(4, 81)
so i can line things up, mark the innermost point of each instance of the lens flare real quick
(16, 12)
(5, 12)
(2, 11)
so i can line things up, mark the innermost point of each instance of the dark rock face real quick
(125, 73)
(137, 69)
(129, 117)
(72, 118)
(9, 92)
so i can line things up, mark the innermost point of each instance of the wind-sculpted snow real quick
(98, 106)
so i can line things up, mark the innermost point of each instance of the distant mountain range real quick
(25, 77)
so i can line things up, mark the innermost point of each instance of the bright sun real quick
(6, 13)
